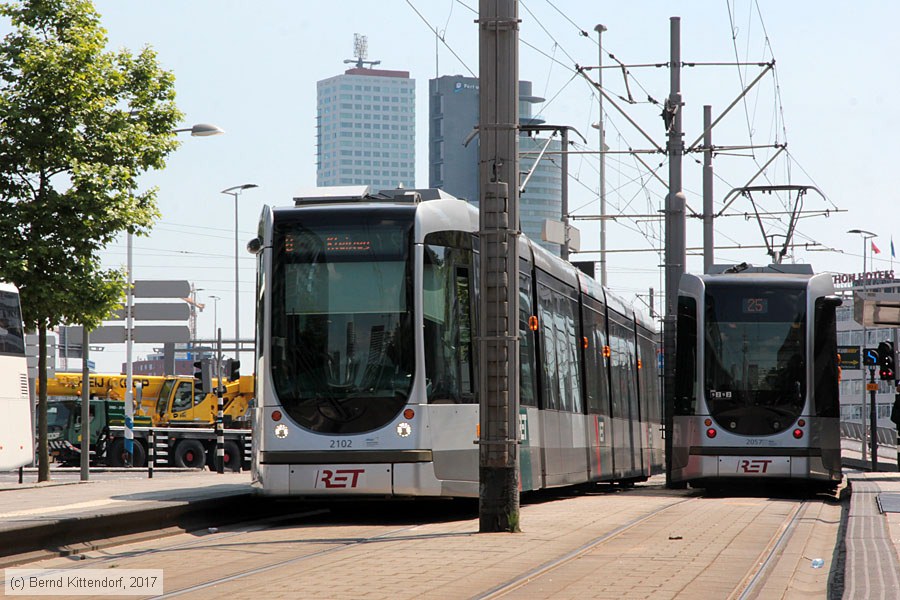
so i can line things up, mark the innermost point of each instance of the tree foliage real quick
(78, 125)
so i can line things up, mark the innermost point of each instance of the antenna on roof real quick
(361, 52)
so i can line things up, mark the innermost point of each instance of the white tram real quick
(365, 364)
(756, 378)
(16, 430)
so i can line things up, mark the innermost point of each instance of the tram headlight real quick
(404, 429)
(798, 433)
(281, 431)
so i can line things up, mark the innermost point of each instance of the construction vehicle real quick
(175, 412)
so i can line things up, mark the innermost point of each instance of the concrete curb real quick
(71, 535)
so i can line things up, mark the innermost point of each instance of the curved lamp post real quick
(866, 236)
(235, 191)
(203, 130)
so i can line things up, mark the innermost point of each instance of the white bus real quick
(16, 428)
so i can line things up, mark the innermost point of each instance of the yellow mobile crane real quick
(179, 411)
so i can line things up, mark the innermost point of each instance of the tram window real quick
(623, 392)
(527, 358)
(447, 300)
(595, 364)
(686, 357)
(825, 368)
(559, 338)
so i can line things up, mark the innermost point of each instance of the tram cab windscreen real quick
(755, 356)
(342, 356)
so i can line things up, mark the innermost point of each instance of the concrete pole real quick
(564, 192)
(600, 29)
(85, 404)
(709, 247)
(675, 235)
(498, 356)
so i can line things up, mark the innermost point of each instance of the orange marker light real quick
(533, 323)
(584, 342)
(639, 364)
(276, 415)
(607, 352)
(409, 414)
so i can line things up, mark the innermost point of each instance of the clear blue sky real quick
(252, 67)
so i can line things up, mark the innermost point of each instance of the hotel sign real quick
(867, 277)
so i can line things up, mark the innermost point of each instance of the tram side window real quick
(622, 369)
(648, 378)
(559, 336)
(595, 364)
(686, 357)
(825, 368)
(447, 296)
(527, 357)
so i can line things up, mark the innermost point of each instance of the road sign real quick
(870, 357)
(161, 289)
(143, 334)
(162, 311)
(850, 358)
(876, 310)
(161, 333)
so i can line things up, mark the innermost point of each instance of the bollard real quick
(151, 453)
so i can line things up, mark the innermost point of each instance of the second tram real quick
(366, 367)
(756, 378)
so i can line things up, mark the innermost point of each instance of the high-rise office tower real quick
(366, 130)
(453, 163)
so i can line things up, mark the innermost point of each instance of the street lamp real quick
(866, 236)
(201, 129)
(215, 300)
(236, 191)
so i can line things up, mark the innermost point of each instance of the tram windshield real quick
(342, 341)
(755, 363)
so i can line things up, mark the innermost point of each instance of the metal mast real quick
(498, 303)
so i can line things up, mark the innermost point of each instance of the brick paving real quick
(697, 548)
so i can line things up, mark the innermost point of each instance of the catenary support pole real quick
(498, 345)
(675, 235)
(709, 247)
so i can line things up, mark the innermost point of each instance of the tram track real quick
(744, 546)
(516, 583)
(749, 584)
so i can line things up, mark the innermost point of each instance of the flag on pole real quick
(875, 249)
(893, 254)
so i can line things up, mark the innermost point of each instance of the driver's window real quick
(183, 396)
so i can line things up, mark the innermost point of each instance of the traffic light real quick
(234, 370)
(886, 360)
(203, 375)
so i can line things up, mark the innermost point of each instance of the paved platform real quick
(32, 516)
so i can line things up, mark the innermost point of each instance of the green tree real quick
(78, 126)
